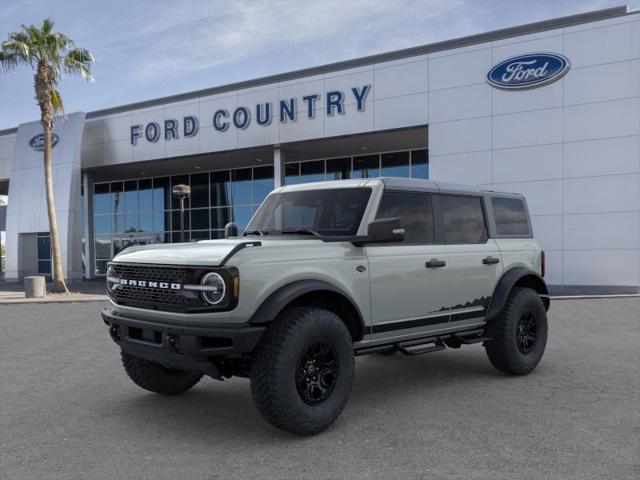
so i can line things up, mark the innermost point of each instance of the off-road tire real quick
(276, 364)
(503, 350)
(156, 378)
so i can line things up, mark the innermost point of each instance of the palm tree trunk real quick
(59, 284)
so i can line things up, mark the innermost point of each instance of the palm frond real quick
(56, 101)
(79, 61)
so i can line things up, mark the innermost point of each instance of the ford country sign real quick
(37, 142)
(528, 71)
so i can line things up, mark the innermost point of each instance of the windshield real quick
(328, 212)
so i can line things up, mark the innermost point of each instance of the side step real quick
(419, 349)
(419, 346)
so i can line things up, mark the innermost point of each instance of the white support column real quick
(89, 254)
(278, 167)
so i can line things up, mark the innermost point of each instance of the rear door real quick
(409, 280)
(475, 264)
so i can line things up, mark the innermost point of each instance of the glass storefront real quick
(138, 212)
(142, 211)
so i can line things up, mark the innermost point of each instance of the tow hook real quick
(114, 331)
(173, 343)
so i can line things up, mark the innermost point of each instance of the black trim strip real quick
(419, 322)
(467, 315)
(428, 321)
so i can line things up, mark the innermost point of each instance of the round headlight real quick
(215, 288)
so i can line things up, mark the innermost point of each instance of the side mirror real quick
(385, 230)
(230, 230)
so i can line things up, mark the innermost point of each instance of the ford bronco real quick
(325, 272)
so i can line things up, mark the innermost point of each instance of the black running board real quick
(434, 343)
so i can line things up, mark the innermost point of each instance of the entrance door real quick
(474, 258)
(409, 280)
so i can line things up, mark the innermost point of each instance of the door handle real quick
(490, 260)
(435, 263)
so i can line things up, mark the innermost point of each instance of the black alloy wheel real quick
(317, 372)
(527, 332)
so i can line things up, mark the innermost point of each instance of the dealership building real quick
(549, 109)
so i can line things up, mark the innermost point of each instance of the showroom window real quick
(143, 211)
(407, 164)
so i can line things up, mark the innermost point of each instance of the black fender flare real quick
(286, 294)
(516, 276)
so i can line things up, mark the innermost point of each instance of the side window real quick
(511, 217)
(463, 219)
(416, 213)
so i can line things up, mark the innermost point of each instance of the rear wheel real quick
(518, 334)
(156, 378)
(302, 370)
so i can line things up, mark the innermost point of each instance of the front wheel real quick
(302, 370)
(518, 334)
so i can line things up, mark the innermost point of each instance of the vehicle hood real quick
(204, 253)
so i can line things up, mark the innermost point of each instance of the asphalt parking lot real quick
(68, 411)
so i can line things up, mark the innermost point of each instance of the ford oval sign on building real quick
(528, 71)
(37, 142)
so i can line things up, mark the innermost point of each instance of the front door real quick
(409, 280)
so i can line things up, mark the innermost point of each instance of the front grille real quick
(157, 298)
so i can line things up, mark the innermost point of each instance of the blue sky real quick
(149, 49)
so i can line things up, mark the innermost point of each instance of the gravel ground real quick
(68, 411)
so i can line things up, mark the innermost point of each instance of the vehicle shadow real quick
(224, 412)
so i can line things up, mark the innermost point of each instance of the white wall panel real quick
(351, 122)
(540, 162)
(549, 96)
(549, 41)
(602, 82)
(459, 103)
(212, 140)
(603, 45)
(456, 70)
(608, 156)
(527, 128)
(616, 193)
(303, 128)
(468, 135)
(602, 231)
(472, 168)
(548, 231)
(601, 120)
(398, 112)
(602, 267)
(554, 267)
(403, 79)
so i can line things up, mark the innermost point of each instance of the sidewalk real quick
(81, 291)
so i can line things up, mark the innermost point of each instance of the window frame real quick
(485, 217)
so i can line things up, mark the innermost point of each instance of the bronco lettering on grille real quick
(150, 284)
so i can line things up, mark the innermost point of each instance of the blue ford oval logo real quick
(528, 71)
(37, 142)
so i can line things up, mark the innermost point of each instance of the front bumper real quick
(190, 348)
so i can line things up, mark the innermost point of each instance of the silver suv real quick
(325, 272)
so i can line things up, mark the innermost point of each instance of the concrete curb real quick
(68, 299)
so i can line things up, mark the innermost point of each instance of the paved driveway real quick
(68, 411)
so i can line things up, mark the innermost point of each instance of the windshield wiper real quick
(301, 231)
(254, 232)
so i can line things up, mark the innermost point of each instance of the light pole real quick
(182, 192)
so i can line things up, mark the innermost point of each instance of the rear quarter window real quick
(511, 217)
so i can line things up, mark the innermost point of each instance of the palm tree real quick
(50, 55)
